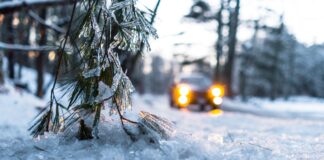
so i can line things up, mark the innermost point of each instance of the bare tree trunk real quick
(291, 64)
(275, 69)
(244, 79)
(3, 30)
(274, 78)
(23, 34)
(11, 64)
(231, 48)
(219, 43)
(243, 85)
(1, 71)
(9, 38)
(40, 59)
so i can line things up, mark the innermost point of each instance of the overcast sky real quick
(304, 18)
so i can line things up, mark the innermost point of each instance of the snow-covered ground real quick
(199, 135)
(293, 107)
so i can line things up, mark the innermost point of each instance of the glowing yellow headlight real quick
(184, 90)
(218, 100)
(182, 95)
(216, 92)
(183, 100)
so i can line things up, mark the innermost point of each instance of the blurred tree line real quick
(29, 32)
(273, 65)
(279, 66)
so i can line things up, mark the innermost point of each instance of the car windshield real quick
(198, 81)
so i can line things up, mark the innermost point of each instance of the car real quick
(195, 89)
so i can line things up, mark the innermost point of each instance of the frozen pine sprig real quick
(94, 79)
(135, 28)
(158, 125)
(124, 89)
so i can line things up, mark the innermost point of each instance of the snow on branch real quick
(11, 6)
(43, 22)
(19, 47)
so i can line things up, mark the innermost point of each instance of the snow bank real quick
(17, 109)
(294, 107)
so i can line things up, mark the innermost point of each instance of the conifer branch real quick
(95, 79)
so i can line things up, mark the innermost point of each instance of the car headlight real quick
(216, 91)
(183, 100)
(184, 90)
(182, 95)
(218, 100)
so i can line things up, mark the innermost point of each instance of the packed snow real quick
(199, 135)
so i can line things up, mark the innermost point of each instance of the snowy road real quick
(199, 135)
(233, 135)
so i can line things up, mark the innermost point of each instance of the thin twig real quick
(62, 49)
(154, 12)
(40, 149)
(61, 57)
(128, 120)
(257, 145)
(131, 136)
(106, 99)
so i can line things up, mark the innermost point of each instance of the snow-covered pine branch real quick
(103, 30)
